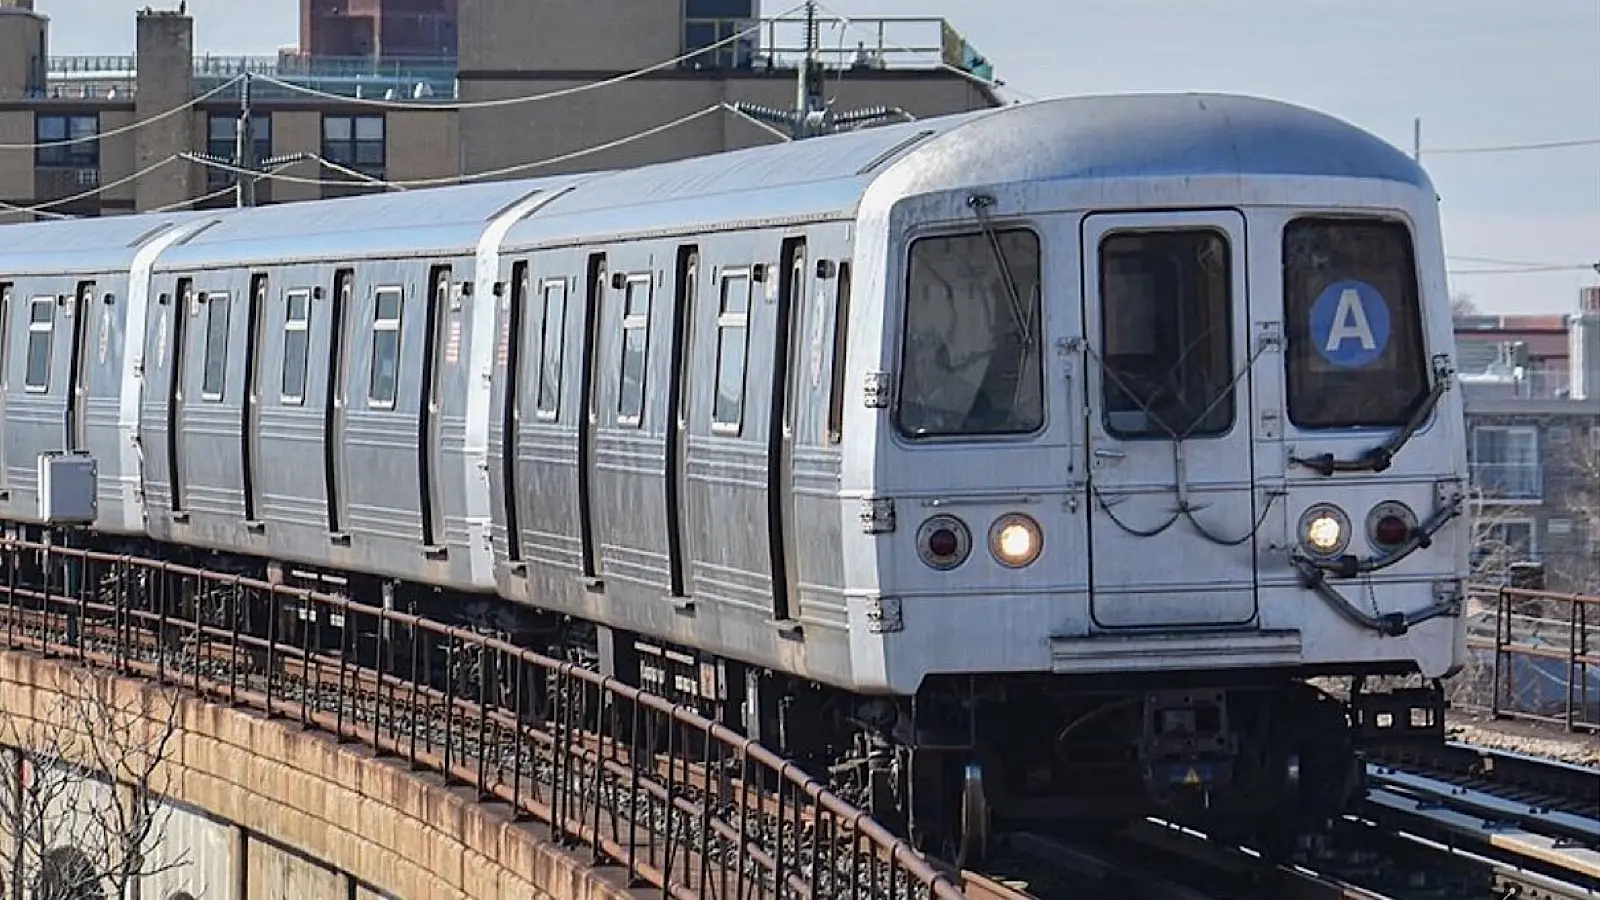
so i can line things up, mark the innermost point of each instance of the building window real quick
(1502, 543)
(53, 128)
(707, 23)
(1505, 462)
(222, 141)
(356, 142)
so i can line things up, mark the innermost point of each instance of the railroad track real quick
(715, 818)
(682, 803)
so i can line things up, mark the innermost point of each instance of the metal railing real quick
(683, 803)
(881, 42)
(1540, 659)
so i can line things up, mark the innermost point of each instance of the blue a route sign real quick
(1350, 324)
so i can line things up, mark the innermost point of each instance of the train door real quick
(185, 307)
(677, 425)
(81, 312)
(250, 434)
(5, 381)
(1165, 308)
(436, 333)
(335, 415)
(781, 433)
(595, 289)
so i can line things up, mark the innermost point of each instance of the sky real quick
(1478, 73)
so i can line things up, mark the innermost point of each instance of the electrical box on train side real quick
(68, 493)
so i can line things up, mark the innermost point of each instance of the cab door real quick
(1172, 510)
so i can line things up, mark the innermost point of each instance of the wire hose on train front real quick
(1379, 458)
(1184, 509)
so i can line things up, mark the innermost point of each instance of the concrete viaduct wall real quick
(268, 810)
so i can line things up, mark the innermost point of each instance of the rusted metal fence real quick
(685, 804)
(1542, 657)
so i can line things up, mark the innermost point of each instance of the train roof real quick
(1153, 136)
(1073, 138)
(399, 223)
(82, 246)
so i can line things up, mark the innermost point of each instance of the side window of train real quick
(635, 349)
(841, 334)
(41, 328)
(384, 380)
(5, 334)
(1165, 313)
(296, 346)
(733, 328)
(552, 330)
(215, 376)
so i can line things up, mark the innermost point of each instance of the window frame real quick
(898, 374)
(50, 153)
(291, 326)
(725, 323)
(381, 325)
(1228, 377)
(35, 329)
(551, 412)
(346, 151)
(1537, 494)
(631, 321)
(841, 340)
(208, 392)
(1420, 349)
(224, 147)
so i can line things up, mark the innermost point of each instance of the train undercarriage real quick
(1255, 756)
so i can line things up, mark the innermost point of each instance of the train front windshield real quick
(1355, 348)
(972, 336)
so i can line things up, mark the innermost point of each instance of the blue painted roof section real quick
(1154, 135)
(75, 246)
(430, 220)
(818, 177)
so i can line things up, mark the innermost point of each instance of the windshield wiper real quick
(980, 204)
(1379, 458)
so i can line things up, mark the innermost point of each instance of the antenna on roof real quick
(811, 115)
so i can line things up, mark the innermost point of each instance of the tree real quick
(81, 810)
(1462, 304)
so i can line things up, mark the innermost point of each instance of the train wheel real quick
(973, 842)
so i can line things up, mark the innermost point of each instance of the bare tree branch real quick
(81, 791)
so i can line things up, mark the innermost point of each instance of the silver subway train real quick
(1034, 464)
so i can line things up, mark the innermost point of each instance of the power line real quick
(477, 176)
(1515, 148)
(141, 123)
(527, 98)
(1527, 270)
(43, 208)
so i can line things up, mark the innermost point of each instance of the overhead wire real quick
(524, 98)
(134, 126)
(1512, 148)
(44, 208)
(440, 181)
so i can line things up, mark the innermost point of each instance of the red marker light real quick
(943, 543)
(1391, 531)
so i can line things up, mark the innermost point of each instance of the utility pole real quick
(1416, 139)
(244, 151)
(811, 116)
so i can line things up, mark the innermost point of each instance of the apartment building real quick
(336, 124)
(1534, 445)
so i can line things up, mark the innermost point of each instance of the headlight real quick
(943, 542)
(1015, 540)
(1325, 530)
(1390, 524)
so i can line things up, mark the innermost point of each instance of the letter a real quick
(1350, 321)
